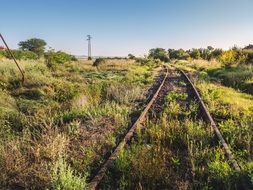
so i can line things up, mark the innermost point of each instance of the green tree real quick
(216, 53)
(249, 47)
(178, 54)
(35, 45)
(205, 53)
(210, 48)
(194, 53)
(131, 56)
(228, 58)
(159, 53)
(241, 56)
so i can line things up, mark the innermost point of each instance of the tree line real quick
(35, 48)
(229, 57)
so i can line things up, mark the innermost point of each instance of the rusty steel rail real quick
(217, 132)
(101, 173)
(13, 57)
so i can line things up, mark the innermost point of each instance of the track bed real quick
(176, 148)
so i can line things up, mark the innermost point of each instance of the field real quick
(126, 95)
(57, 126)
(60, 126)
(178, 150)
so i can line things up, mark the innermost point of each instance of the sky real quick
(120, 27)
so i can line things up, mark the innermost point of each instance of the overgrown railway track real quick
(156, 103)
(209, 119)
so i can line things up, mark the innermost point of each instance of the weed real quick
(65, 91)
(181, 83)
(124, 93)
(58, 125)
(63, 177)
(174, 96)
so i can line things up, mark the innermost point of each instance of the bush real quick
(249, 57)
(148, 62)
(124, 93)
(234, 77)
(2, 53)
(53, 58)
(131, 56)
(234, 56)
(19, 54)
(159, 53)
(178, 54)
(205, 53)
(195, 54)
(16, 121)
(216, 53)
(228, 58)
(30, 93)
(63, 177)
(65, 91)
(98, 62)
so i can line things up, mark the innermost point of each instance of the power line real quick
(89, 47)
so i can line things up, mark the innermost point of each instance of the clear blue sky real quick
(120, 27)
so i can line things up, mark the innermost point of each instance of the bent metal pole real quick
(13, 57)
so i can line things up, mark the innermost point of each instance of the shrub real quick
(234, 56)
(250, 173)
(234, 77)
(63, 177)
(19, 54)
(30, 93)
(124, 93)
(159, 53)
(205, 53)
(228, 58)
(28, 107)
(17, 121)
(65, 91)
(26, 161)
(195, 54)
(53, 58)
(216, 53)
(118, 113)
(131, 56)
(98, 62)
(178, 54)
(249, 57)
(7, 102)
(148, 62)
(2, 54)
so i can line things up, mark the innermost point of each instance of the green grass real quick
(173, 153)
(228, 95)
(238, 77)
(58, 125)
(234, 112)
(63, 177)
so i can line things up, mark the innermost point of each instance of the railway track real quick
(101, 173)
(156, 105)
(208, 118)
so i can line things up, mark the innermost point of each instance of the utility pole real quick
(89, 47)
(13, 57)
